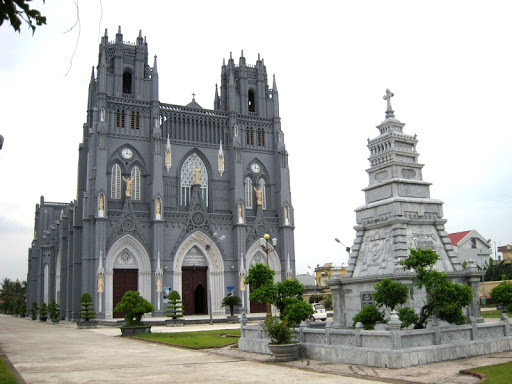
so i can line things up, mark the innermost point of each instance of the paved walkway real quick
(47, 353)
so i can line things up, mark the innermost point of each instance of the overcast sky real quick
(449, 64)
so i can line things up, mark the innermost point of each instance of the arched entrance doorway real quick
(127, 268)
(194, 282)
(199, 274)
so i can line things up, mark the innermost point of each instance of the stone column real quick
(474, 276)
(338, 299)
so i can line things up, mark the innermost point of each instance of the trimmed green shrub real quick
(407, 316)
(390, 293)
(297, 311)
(174, 308)
(328, 302)
(278, 331)
(86, 310)
(43, 310)
(135, 306)
(369, 316)
(502, 294)
(33, 309)
(53, 310)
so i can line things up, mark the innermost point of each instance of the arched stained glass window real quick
(248, 193)
(263, 194)
(135, 175)
(115, 182)
(188, 171)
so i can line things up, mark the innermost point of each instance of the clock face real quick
(255, 167)
(127, 153)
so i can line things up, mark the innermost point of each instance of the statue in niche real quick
(158, 207)
(101, 203)
(286, 215)
(196, 176)
(240, 213)
(128, 186)
(159, 283)
(259, 193)
(61, 214)
(100, 283)
(102, 114)
(242, 283)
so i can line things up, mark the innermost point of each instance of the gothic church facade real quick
(169, 197)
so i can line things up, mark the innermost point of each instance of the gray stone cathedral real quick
(169, 197)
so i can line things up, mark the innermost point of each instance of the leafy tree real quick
(284, 294)
(135, 306)
(261, 279)
(444, 299)
(370, 315)
(316, 298)
(17, 11)
(231, 302)
(502, 295)
(14, 295)
(86, 310)
(494, 270)
(174, 308)
(390, 293)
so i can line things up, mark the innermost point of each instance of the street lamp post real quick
(346, 248)
(268, 247)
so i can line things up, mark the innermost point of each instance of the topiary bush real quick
(86, 310)
(33, 310)
(370, 315)
(43, 311)
(135, 306)
(297, 311)
(174, 308)
(54, 310)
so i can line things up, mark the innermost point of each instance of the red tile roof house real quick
(470, 245)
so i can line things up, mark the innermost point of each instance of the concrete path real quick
(47, 353)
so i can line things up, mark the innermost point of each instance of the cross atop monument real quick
(389, 110)
(193, 96)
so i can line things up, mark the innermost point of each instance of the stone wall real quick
(391, 349)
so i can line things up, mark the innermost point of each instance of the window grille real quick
(135, 192)
(248, 193)
(115, 182)
(188, 171)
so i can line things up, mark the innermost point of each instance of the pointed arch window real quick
(135, 175)
(127, 83)
(115, 182)
(188, 171)
(263, 194)
(251, 101)
(248, 193)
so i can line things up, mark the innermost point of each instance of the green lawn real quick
(201, 339)
(495, 313)
(496, 374)
(6, 376)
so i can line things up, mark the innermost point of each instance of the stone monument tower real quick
(398, 214)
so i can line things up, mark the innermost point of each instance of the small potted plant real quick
(135, 307)
(281, 336)
(22, 310)
(33, 310)
(54, 311)
(43, 311)
(174, 310)
(231, 302)
(86, 312)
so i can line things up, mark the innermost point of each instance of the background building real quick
(470, 245)
(169, 197)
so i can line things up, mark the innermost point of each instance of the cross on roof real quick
(193, 96)
(387, 97)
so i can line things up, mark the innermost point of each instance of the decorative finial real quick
(389, 110)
